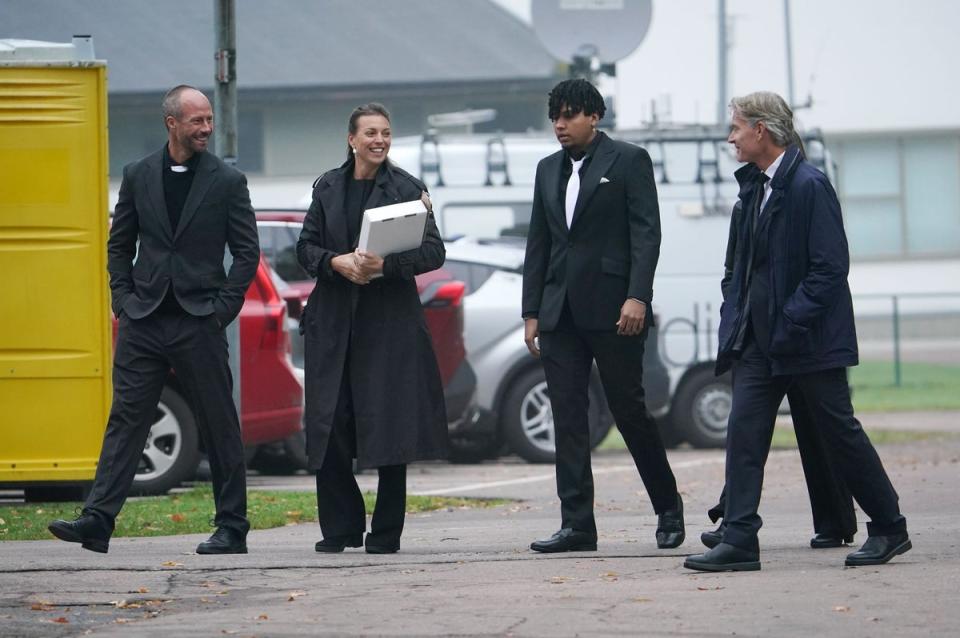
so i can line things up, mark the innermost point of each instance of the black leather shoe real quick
(879, 550)
(224, 541)
(373, 545)
(724, 558)
(714, 537)
(670, 530)
(566, 540)
(382, 549)
(86, 530)
(827, 541)
(335, 544)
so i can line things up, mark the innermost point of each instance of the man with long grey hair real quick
(787, 320)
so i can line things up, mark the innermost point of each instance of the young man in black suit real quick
(592, 250)
(178, 208)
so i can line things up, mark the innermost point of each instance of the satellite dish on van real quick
(602, 30)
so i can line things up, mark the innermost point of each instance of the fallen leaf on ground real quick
(263, 617)
(841, 608)
(641, 599)
(296, 594)
(41, 606)
(559, 580)
(178, 517)
(143, 590)
(171, 563)
(62, 620)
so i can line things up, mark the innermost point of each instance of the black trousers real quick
(340, 507)
(830, 501)
(146, 350)
(568, 354)
(756, 396)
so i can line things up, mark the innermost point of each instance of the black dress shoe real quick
(827, 541)
(224, 541)
(714, 537)
(879, 550)
(373, 548)
(335, 544)
(566, 540)
(724, 558)
(86, 530)
(670, 530)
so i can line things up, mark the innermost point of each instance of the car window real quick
(485, 221)
(266, 240)
(278, 241)
(473, 275)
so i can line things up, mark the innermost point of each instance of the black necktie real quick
(762, 180)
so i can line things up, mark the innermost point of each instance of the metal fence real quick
(907, 332)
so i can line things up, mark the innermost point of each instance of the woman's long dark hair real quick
(370, 108)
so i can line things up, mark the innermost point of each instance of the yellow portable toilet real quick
(55, 330)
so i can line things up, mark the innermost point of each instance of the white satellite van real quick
(482, 187)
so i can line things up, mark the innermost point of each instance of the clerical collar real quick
(169, 163)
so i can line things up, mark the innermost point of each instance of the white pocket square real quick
(604, 180)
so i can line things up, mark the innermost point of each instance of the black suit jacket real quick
(217, 213)
(610, 251)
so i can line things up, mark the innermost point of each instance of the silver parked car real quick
(511, 388)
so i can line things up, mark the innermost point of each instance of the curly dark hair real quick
(577, 96)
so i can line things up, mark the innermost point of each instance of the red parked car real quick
(440, 294)
(271, 395)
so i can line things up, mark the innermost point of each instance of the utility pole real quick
(225, 118)
(721, 61)
(786, 24)
(225, 96)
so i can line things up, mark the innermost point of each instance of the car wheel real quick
(527, 418)
(670, 434)
(281, 458)
(474, 450)
(295, 447)
(701, 408)
(171, 454)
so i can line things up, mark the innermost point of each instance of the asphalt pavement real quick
(469, 572)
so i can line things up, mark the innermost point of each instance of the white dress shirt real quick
(767, 188)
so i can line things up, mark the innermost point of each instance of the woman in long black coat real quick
(373, 389)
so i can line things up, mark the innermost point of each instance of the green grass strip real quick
(190, 512)
(923, 386)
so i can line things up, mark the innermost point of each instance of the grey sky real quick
(870, 65)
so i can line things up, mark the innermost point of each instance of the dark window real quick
(250, 142)
(278, 241)
(473, 275)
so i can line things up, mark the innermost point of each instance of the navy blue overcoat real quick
(810, 310)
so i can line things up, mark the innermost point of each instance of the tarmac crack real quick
(339, 566)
